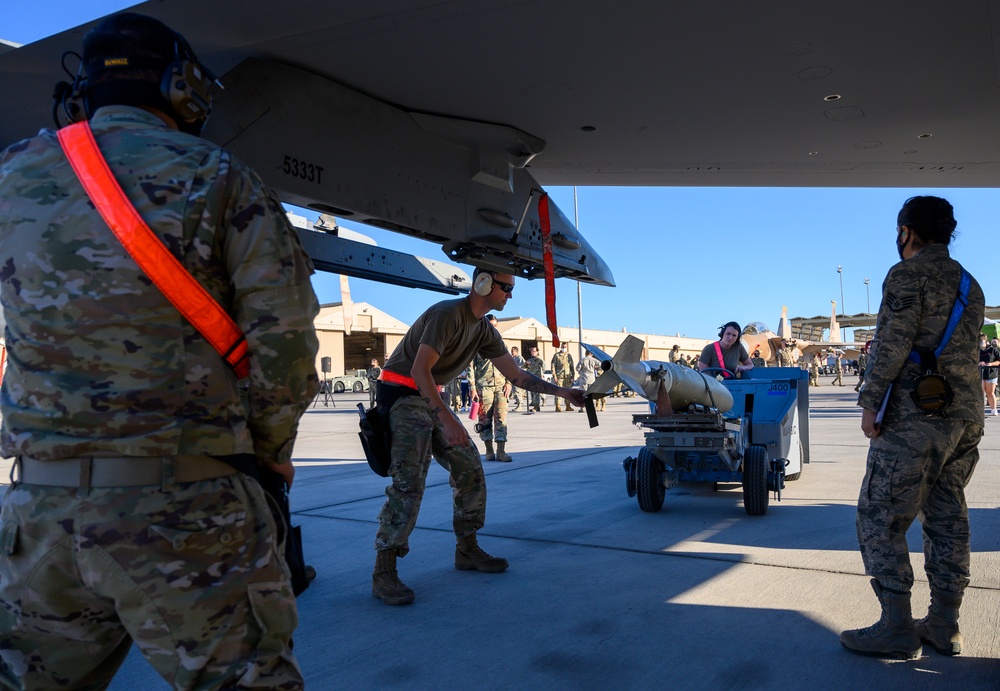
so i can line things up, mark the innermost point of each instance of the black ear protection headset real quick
(482, 282)
(722, 329)
(186, 85)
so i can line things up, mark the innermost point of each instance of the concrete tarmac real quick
(601, 595)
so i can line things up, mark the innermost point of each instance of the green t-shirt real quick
(733, 355)
(452, 330)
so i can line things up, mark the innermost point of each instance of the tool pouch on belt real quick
(374, 436)
(931, 391)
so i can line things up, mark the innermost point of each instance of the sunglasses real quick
(505, 287)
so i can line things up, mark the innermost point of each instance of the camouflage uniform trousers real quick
(536, 400)
(416, 432)
(839, 379)
(492, 413)
(191, 574)
(567, 382)
(918, 467)
(453, 398)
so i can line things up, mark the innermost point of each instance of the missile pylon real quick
(683, 384)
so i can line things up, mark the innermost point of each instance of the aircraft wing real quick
(827, 346)
(441, 118)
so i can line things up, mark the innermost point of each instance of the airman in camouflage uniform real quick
(919, 464)
(519, 396)
(124, 522)
(784, 356)
(491, 391)
(590, 368)
(814, 370)
(562, 372)
(454, 391)
(373, 373)
(435, 349)
(535, 365)
(862, 364)
(757, 360)
(838, 368)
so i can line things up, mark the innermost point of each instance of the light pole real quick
(843, 311)
(869, 296)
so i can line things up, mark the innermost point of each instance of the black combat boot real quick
(940, 626)
(469, 556)
(893, 635)
(386, 585)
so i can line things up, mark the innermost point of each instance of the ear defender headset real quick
(185, 86)
(722, 329)
(482, 283)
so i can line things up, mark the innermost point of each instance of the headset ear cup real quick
(483, 284)
(187, 89)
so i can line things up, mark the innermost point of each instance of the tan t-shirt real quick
(452, 330)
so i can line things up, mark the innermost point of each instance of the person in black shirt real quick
(989, 364)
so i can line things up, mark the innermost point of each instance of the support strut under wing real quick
(351, 258)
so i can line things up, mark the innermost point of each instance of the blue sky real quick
(685, 259)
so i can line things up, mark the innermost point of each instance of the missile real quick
(683, 384)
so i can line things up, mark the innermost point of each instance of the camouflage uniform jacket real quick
(535, 365)
(100, 362)
(562, 366)
(589, 368)
(784, 357)
(918, 296)
(486, 374)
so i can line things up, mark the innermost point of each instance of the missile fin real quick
(597, 352)
(605, 383)
(630, 351)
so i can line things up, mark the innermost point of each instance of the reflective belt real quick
(395, 378)
(154, 259)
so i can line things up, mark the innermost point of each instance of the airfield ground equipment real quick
(760, 442)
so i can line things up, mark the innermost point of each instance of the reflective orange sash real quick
(162, 268)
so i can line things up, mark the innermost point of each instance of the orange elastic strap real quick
(162, 268)
(548, 265)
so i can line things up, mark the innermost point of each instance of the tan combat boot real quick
(502, 454)
(893, 635)
(558, 409)
(386, 585)
(490, 456)
(940, 626)
(469, 556)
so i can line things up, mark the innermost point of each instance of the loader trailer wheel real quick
(796, 476)
(649, 482)
(755, 494)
